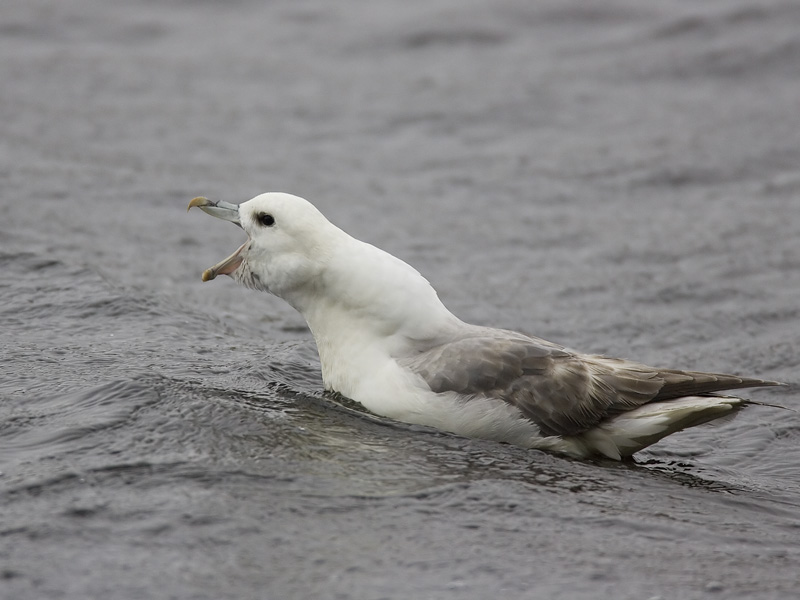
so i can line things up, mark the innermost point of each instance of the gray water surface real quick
(619, 177)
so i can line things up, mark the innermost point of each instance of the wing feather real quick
(563, 392)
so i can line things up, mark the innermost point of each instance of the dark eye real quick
(266, 219)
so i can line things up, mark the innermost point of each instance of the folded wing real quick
(563, 392)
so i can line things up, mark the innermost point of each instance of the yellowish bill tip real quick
(199, 201)
(208, 274)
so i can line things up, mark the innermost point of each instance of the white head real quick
(289, 243)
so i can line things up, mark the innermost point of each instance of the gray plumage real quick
(563, 392)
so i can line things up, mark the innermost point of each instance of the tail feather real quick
(631, 431)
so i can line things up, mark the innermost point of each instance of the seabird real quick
(385, 340)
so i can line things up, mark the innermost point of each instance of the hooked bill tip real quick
(200, 201)
(209, 274)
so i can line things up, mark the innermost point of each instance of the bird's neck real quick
(367, 308)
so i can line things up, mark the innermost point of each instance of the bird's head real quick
(287, 246)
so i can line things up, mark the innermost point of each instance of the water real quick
(620, 178)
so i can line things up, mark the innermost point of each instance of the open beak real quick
(228, 212)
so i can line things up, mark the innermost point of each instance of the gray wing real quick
(564, 393)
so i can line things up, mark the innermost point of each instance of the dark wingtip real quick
(767, 382)
(748, 382)
(757, 403)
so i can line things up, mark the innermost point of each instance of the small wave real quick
(442, 37)
(55, 424)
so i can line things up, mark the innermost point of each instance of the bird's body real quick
(386, 341)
